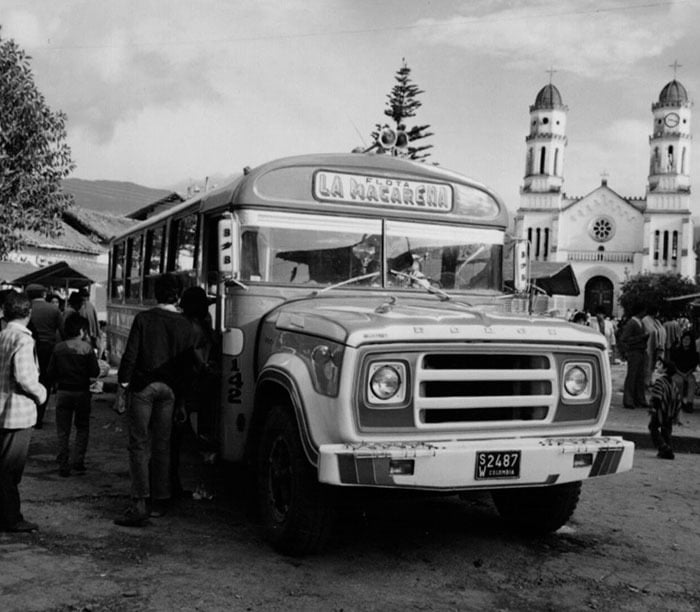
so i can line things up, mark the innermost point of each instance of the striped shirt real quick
(664, 397)
(20, 390)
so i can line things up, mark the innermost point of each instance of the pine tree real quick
(402, 104)
(34, 156)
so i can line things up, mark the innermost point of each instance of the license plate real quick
(497, 464)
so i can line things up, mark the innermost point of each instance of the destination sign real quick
(382, 191)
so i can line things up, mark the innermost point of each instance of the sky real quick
(164, 93)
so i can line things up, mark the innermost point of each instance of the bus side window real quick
(133, 267)
(154, 260)
(117, 276)
(183, 248)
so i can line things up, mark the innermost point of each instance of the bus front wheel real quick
(296, 510)
(538, 510)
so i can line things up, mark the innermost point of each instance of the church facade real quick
(607, 237)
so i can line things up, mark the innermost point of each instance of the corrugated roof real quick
(165, 203)
(103, 226)
(69, 240)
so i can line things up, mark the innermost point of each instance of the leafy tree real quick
(402, 104)
(34, 157)
(651, 290)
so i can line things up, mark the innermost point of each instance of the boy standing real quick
(20, 393)
(665, 404)
(72, 365)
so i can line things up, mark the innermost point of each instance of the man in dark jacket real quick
(155, 367)
(633, 341)
(46, 323)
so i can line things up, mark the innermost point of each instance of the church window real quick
(545, 253)
(545, 120)
(529, 169)
(529, 235)
(665, 251)
(537, 243)
(602, 228)
(674, 246)
(656, 246)
(670, 158)
(601, 253)
(556, 162)
(542, 158)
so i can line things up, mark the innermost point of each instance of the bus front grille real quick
(484, 387)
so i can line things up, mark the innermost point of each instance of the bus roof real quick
(353, 183)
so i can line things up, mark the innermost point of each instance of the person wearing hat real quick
(45, 323)
(197, 402)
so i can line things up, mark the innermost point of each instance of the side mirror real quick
(521, 266)
(229, 246)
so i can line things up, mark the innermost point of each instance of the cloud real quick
(23, 27)
(590, 38)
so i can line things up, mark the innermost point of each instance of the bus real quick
(366, 341)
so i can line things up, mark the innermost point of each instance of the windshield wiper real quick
(424, 283)
(349, 281)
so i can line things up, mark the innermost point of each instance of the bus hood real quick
(355, 321)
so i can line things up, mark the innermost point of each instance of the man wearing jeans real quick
(154, 368)
(20, 394)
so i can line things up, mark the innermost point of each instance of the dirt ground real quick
(633, 544)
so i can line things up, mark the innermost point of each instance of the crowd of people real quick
(165, 374)
(662, 358)
(662, 365)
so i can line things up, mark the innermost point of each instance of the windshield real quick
(317, 251)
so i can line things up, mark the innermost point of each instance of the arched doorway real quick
(599, 292)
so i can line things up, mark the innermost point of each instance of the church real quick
(606, 237)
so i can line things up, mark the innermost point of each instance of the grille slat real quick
(426, 375)
(437, 403)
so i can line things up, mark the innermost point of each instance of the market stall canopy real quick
(552, 277)
(57, 275)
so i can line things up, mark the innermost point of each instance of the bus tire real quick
(295, 509)
(538, 510)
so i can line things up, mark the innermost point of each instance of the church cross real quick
(551, 72)
(675, 67)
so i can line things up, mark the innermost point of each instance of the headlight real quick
(577, 381)
(386, 382)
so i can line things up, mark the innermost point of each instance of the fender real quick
(280, 377)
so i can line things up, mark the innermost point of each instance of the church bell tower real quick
(544, 165)
(669, 156)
